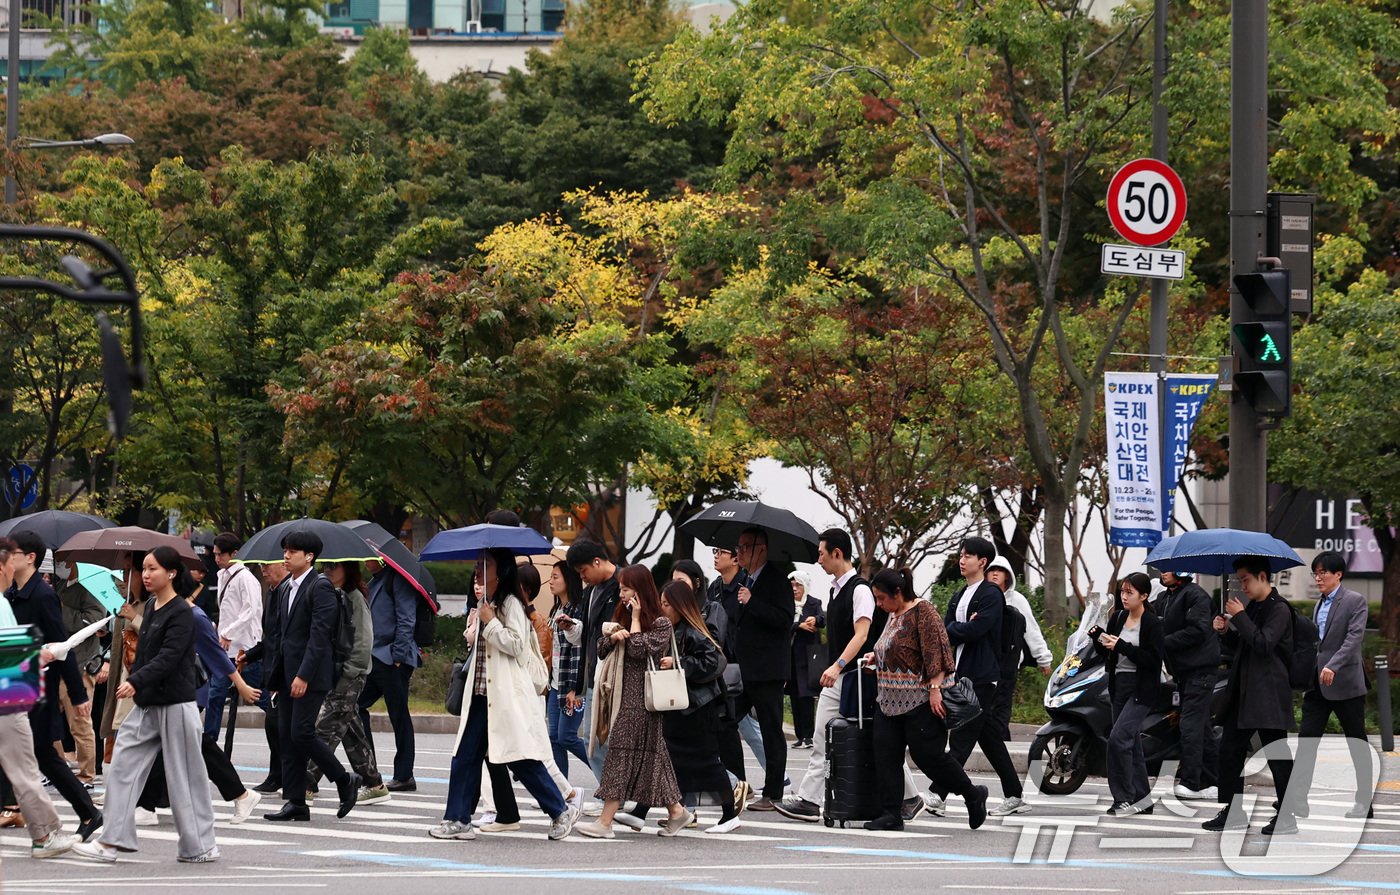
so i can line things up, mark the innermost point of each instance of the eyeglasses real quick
(718, 550)
(1323, 573)
(743, 547)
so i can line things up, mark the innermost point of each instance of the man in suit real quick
(300, 670)
(764, 648)
(1340, 685)
(599, 574)
(1259, 631)
(973, 621)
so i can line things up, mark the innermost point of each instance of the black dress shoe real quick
(90, 826)
(269, 785)
(349, 790)
(1281, 825)
(409, 785)
(885, 822)
(290, 811)
(1223, 821)
(977, 807)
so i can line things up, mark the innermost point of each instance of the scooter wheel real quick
(1063, 763)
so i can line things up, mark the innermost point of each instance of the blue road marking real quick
(427, 863)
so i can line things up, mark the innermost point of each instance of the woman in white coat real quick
(501, 717)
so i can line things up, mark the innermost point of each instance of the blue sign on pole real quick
(22, 487)
(1185, 396)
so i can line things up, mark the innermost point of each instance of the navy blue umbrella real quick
(470, 542)
(1213, 551)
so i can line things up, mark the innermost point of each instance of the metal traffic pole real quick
(1383, 703)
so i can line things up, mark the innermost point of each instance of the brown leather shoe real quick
(11, 817)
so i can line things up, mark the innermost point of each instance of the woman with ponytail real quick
(913, 659)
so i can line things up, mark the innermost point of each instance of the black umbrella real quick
(338, 543)
(54, 526)
(789, 538)
(397, 557)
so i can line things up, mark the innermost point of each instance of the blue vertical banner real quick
(1132, 412)
(1185, 395)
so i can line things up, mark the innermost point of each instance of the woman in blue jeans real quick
(564, 706)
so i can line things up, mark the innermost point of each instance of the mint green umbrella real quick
(101, 582)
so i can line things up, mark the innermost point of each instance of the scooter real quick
(1074, 743)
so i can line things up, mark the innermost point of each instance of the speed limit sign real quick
(1146, 202)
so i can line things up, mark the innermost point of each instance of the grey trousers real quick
(18, 763)
(175, 731)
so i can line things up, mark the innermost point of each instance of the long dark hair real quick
(573, 587)
(167, 558)
(691, 569)
(638, 578)
(892, 582)
(354, 578)
(682, 598)
(507, 578)
(1141, 583)
(529, 580)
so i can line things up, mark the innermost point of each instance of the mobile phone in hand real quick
(1095, 632)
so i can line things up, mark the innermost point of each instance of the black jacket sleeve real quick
(175, 640)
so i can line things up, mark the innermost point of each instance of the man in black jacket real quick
(599, 574)
(973, 621)
(300, 670)
(35, 603)
(1193, 655)
(764, 645)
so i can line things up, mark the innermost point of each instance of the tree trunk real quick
(1058, 609)
(1389, 622)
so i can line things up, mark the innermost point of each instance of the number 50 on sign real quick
(1146, 202)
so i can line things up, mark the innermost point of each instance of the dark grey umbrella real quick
(397, 557)
(54, 527)
(338, 543)
(789, 538)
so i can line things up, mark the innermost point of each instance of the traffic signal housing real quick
(1264, 343)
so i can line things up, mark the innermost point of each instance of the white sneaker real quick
(243, 805)
(575, 800)
(934, 805)
(592, 808)
(208, 857)
(146, 818)
(630, 821)
(498, 827)
(452, 829)
(484, 818)
(727, 826)
(95, 851)
(1013, 805)
(56, 844)
(1205, 793)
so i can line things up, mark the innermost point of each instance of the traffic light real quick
(1264, 343)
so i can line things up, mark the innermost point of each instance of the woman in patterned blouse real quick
(913, 659)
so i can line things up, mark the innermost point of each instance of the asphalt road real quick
(385, 849)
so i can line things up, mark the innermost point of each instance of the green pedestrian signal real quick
(1264, 343)
(1270, 350)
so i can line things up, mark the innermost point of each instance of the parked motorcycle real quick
(1073, 744)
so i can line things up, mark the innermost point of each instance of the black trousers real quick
(765, 698)
(731, 746)
(1351, 715)
(296, 728)
(923, 734)
(503, 794)
(52, 765)
(982, 733)
(221, 773)
(1235, 751)
(1200, 753)
(391, 683)
(804, 716)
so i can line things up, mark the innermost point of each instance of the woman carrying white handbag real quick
(638, 766)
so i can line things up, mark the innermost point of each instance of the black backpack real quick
(343, 631)
(425, 623)
(1013, 640)
(1302, 661)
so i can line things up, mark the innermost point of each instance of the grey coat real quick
(1340, 645)
(1261, 636)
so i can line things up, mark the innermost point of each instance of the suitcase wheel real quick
(828, 821)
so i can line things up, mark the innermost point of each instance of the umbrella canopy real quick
(111, 546)
(789, 538)
(338, 543)
(1213, 551)
(397, 557)
(54, 526)
(472, 541)
(101, 582)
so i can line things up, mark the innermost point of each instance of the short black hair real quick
(1330, 561)
(227, 542)
(305, 541)
(583, 553)
(1257, 566)
(835, 540)
(503, 516)
(30, 542)
(978, 547)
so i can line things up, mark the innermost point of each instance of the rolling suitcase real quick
(851, 795)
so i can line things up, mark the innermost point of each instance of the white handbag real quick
(665, 687)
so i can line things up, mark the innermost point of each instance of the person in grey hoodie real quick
(1032, 643)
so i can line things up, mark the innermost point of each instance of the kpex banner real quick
(1186, 395)
(1134, 459)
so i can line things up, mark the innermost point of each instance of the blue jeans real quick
(600, 749)
(563, 732)
(464, 784)
(219, 689)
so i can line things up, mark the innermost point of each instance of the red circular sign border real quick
(1123, 228)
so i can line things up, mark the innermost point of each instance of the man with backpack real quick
(1020, 637)
(393, 608)
(1260, 699)
(1193, 655)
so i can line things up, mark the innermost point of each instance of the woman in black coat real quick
(1134, 644)
(808, 620)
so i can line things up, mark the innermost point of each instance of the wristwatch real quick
(840, 662)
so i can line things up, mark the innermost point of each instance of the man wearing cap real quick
(1193, 656)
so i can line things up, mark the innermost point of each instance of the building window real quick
(551, 15)
(493, 15)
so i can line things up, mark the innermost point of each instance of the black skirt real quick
(693, 741)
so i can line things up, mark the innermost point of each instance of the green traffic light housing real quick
(1266, 291)
(1264, 343)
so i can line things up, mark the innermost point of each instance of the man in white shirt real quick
(240, 625)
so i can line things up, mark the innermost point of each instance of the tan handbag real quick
(665, 687)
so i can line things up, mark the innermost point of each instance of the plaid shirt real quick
(567, 663)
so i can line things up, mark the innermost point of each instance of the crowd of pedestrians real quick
(313, 645)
